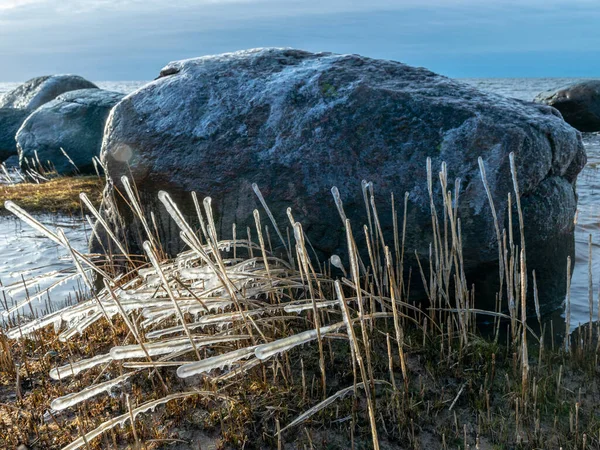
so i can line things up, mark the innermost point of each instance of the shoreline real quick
(59, 195)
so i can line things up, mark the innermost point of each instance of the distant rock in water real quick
(298, 123)
(578, 103)
(34, 93)
(10, 121)
(74, 122)
(17, 104)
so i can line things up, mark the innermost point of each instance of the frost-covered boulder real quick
(10, 121)
(17, 104)
(297, 123)
(34, 93)
(578, 103)
(74, 121)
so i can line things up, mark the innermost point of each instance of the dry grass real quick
(57, 195)
(329, 361)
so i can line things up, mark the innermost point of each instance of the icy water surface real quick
(26, 253)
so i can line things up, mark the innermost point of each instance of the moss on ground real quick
(57, 195)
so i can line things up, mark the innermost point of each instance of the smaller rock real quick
(34, 93)
(74, 122)
(10, 121)
(578, 103)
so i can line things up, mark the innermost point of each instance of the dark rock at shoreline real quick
(74, 121)
(10, 121)
(298, 123)
(579, 104)
(35, 92)
(17, 104)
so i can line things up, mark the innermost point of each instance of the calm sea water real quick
(25, 250)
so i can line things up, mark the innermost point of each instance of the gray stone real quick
(74, 122)
(10, 121)
(34, 93)
(298, 123)
(578, 103)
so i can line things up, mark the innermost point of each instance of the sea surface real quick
(25, 251)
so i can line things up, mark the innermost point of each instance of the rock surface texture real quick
(579, 104)
(297, 123)
(34, 93)
(74, 121)
(10, 121)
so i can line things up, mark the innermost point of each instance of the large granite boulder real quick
(34, 93)
(578, 103)
(297, 123)
(74, 122)
(10, 121)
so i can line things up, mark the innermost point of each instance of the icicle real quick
(122, 419)
(216, 362)
(168, 346)
(69, 400)
(70, 370)
(265, 351)
(299, 307)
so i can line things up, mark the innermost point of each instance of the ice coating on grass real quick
(69, 400)
(337, 262)
(122, 419)
(308, 305)
(265, 351)
(38, 295)
(215, 362)
(70, 370)
(80, 327)
(30, 327)
(167, 346)
(338, 203)
(174, 212)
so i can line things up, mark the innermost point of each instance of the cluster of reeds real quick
(36, 171)
(280, 345)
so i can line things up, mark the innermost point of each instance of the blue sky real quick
(133, 39)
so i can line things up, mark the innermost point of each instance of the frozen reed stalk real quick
(72, 369)
(215, 362)
(357, 354)
(513, 172)
(67, 156)
(524, 353)
(266, 351)
(338, 203)
(122, 419)
(567, 342)
(397, 327)
(132, 328)
(502, 260)
(192, 240)
(69, 400)
(137, 208)
(304, 266)
(86, 201)
(176, 215)
(262, 244)
(353, 254)
(81, 271)
(337, 262)
(590, 289)
(148, 249)
(272, 218)
(536, 301)
(199, 214)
